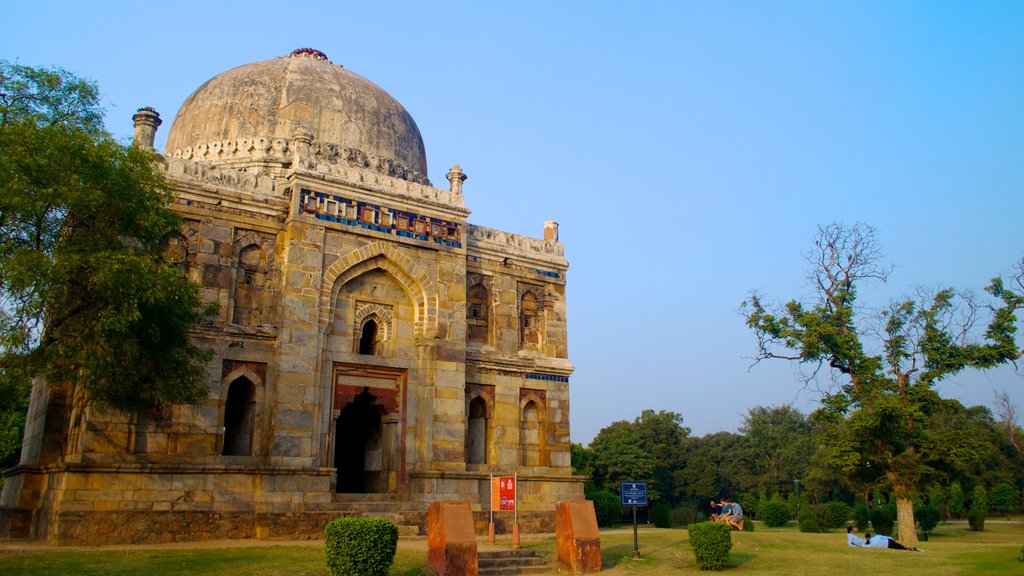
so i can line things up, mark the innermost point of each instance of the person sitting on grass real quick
(735, 515)
(879, 541)
(851, 537)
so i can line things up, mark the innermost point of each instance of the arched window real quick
(239, 418)
(368, 338)
(478, 313)
(476, 432)
(529, 435)
(250, 282)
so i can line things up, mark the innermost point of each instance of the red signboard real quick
(503, 494)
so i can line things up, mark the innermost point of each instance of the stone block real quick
(577, 537)
(451, 541)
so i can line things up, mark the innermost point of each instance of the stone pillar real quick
(147, 120)
(451, 541)
(456, 177)
(577, 539)
(301, 140)
(551, 230)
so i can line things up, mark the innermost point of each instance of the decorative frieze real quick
(379, 218)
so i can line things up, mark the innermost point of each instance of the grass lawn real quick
(951, 550)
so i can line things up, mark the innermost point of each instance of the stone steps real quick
(511, 563)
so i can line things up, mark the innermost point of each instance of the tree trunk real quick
(905, 521)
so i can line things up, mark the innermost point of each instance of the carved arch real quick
(378, 256)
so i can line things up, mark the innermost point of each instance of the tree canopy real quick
(85, 294)
(881, 414)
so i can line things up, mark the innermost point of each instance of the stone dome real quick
(255, 110)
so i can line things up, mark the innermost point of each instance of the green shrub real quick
(711, 542)
(976, 519)
(1020, 558)
(364, 546)
(661, 515)
(883, 520)
(685, 514)
(607, 508)
(748, 524)
(774, 513)
(838, 514)
(861, 516)
(928, 517)
(808, 521)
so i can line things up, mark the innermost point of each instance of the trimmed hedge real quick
(661, 515)
(773, 513)
(364, 546)
(883, 520)
(711, 542)
(607, 508)
(808, 520)
(976, 519)
(928, 517)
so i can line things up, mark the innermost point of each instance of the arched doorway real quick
(359, 446)
(239, 418)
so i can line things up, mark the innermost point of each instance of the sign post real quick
(503, 499)
(634, 495)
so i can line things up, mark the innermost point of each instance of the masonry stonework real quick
(373, 350)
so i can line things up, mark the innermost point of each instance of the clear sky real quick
(688, 149)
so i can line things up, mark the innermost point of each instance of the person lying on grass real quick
(879, 541)
(851, 537)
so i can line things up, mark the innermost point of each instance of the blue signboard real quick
(633, 493)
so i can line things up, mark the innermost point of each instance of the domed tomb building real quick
(373, 350)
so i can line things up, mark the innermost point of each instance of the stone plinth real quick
(451, 541)
(579, 543)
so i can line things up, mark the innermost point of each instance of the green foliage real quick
(749, 502)
(711, 543)
(1004, 498)
(774, 513)
(808, 520)
(685, 514)
(607, 508)
(83, 220)
(976, 519)
(836, 514)
(979, 499)
(957, 502)
(885, 420)
(618, 457)
(661, 516)
(1020, 557)
(779, 446)
(364, 546)
(861, 516)
(927, 517)
(883, 520)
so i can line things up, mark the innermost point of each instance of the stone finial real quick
(456, 177)
(551, 230)
(147, 120)
(302, 139)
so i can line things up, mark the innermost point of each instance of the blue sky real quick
(688, 150)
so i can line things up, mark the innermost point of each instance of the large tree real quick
(85, 295)
(880, 409)
(780, 447)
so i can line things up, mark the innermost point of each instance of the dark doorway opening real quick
(239, 421)
(358, 446)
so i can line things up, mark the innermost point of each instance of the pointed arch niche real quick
(478, 309)
(532, 426)
(479, 425)
(402, 269)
